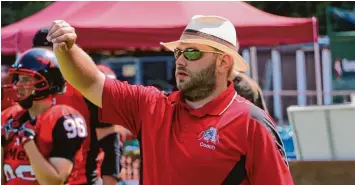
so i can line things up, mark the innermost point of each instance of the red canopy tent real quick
(115, 25)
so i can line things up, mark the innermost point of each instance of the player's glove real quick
(9, 130)
(27, 131)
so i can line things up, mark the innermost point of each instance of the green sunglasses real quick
(191, 54)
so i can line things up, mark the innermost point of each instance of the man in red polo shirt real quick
(202, 134)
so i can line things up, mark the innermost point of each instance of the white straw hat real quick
(214, 31)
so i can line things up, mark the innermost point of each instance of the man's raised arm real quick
(76, 66)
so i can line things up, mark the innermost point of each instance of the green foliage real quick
(303, 9)
(13, 11)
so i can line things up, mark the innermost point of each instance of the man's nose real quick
(181, 61)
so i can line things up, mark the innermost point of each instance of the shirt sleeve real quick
(68, 136)
(266, 161)
(123, 103)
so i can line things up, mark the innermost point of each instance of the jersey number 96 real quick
(75, 127)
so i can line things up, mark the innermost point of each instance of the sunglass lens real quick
(192, 55)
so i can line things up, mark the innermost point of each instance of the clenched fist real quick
(62, 35)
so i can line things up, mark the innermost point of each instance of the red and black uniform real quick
(61, 132)
(89, 168)
(94, 165)
(227, 141)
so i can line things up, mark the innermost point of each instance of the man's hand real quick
(9, 130)
(27, 131)
(62, 35)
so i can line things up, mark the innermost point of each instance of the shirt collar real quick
(215, 107)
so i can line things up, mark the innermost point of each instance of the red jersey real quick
(61, 132)
(88, 169)
(227, 141)
(10, 112)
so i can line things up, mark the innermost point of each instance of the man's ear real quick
(226, 62)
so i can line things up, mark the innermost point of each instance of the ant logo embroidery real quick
(209, 138)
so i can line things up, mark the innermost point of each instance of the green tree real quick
(302, 9)
(12, 11)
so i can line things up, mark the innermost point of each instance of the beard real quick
(200, 85)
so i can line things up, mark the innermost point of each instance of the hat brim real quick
(239, 63)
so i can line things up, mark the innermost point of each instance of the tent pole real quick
(254, 64)
(318, 74)
(327, 76)
(317, 63)
(246, 56)
(277, 85)
(301, 78)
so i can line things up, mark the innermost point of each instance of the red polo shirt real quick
(227, 141)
